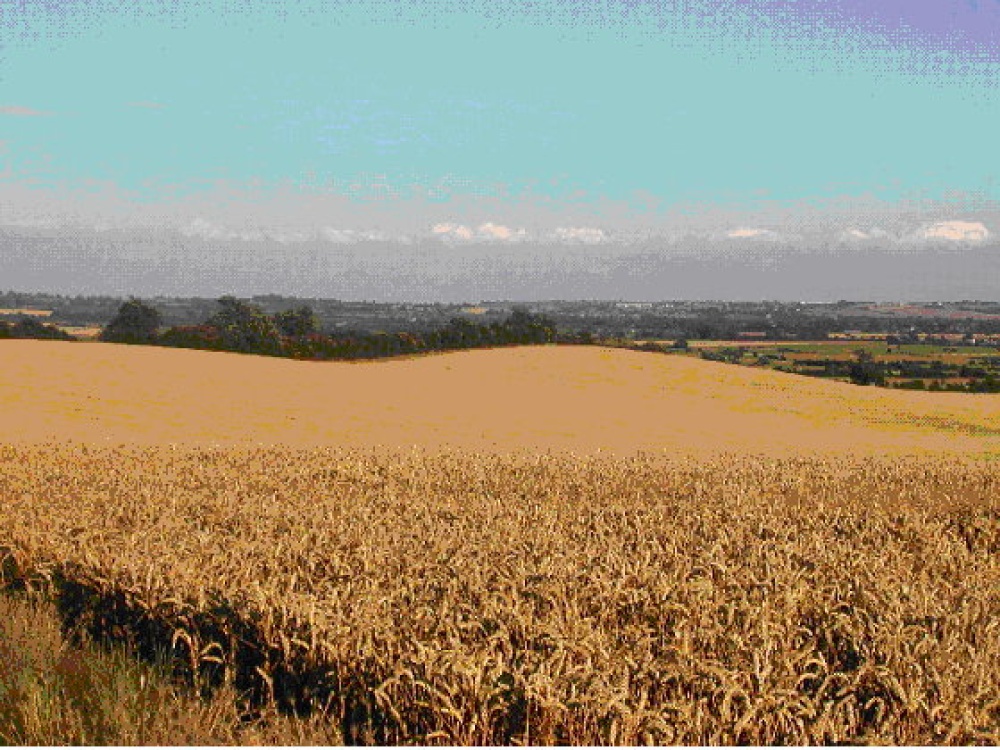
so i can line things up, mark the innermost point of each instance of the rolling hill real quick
(540, 398)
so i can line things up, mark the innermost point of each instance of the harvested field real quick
(83, 333)
(581, 399)
(477, 599)
(10, 311)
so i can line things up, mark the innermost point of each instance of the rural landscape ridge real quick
(543, 398)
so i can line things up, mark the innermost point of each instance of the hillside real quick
(543, 398)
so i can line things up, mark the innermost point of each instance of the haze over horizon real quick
(452, 150)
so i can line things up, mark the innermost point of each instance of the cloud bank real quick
(956, 231)
(485, 232)
(752, 233)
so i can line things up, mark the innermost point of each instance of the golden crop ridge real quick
(488, 599)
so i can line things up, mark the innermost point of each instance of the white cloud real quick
(19, 111)
(447, 230)
(856, 234)
(204, 229)
(287, 236)
(751, 233)
(485, 232)
(586, 235)
(207, 230)
(492, 231)
(956, 231)
(339, 236)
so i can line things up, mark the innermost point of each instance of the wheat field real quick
(825, 571)
(543, 398)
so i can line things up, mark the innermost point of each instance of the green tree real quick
(864, 370)
(28, 327)
(135, 323)
(527, 327)
(244, 327)
(298, 322)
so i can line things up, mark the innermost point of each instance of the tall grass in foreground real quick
(56, 692)
(473, 599)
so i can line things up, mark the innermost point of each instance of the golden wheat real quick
(478, 599)
(583, 399)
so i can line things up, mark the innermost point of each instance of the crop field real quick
(643, 549)
(545, 398)
(18, 311)
(920, 365)
(83, 333)
(476, 599)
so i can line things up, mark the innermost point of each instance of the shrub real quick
(245, 328)
(29, 328)
(296, 323)
(135, 323)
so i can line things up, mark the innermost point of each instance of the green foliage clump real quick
(297, 323)
(240, 326)
(864, 370)
(243, 327)
(135, 323)
(27, 327)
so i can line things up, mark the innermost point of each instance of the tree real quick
(244, 327)
(135, 323)
(527, 327)
(297, 323)
(27, 327)
(462, 333)
(864, 370)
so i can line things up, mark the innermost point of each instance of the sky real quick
(722, 124)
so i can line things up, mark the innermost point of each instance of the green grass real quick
(932, 365)
(875, 348)
(57, 691)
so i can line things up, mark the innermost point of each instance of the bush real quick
(297, 323)
(135, 323)
(526, 327)
(245, 328)
(29, 328)
(192, 337)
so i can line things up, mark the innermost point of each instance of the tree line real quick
(27, 327)
(240, 326)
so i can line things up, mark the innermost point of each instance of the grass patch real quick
(59, 688)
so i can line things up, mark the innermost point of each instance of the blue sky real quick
(406, 139)
(727, 103)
